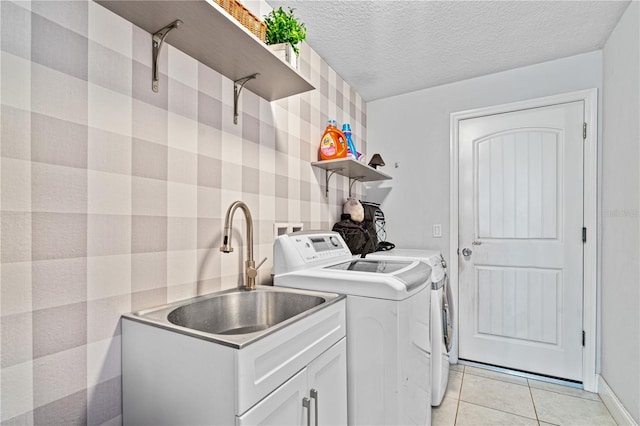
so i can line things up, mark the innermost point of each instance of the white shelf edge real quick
(352, 169)
(213, 37)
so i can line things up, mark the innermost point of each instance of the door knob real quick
(466, 252)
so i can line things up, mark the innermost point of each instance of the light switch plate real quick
(437, 230)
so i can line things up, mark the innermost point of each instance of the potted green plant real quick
(284, 32)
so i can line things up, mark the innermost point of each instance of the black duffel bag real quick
(358, 238)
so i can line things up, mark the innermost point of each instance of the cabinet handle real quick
(314, 396)
(306, 403)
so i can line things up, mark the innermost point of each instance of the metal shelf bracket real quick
(327, 177)
(157, 40)
(352, 181)
(237, 88)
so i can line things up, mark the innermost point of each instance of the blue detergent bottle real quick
(351, 147)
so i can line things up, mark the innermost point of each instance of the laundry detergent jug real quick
(333, 144)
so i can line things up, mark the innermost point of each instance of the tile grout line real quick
(455, 419)
(497, 379)
(492, 408)
(500, 411)
(535, 411)
(568, 394)
(575, 397)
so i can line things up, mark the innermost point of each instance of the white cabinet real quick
(171, 379)
(317, 395)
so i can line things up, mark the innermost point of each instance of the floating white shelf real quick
(210, 35)
(354, 170)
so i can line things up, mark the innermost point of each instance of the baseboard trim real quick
(613, 404)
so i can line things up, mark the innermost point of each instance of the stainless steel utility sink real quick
(236, 317)
(242, 312)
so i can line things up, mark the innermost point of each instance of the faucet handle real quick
(252, 271)
(260, 264)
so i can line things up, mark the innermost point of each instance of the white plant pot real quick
(285, 52)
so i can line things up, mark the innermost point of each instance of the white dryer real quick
(388, 323)
(441, 314)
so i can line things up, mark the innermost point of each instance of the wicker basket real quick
(245, 17)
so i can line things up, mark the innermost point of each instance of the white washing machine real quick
(441, 314)
(388, 323)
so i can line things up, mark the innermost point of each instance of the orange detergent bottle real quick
(333, 144)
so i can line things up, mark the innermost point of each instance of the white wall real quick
(620, 278)
(412, 130)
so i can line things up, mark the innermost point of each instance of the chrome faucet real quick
(251, 271)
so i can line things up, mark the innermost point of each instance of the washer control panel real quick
(314, 247)
(292, 251)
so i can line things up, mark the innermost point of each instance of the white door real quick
(521, 219)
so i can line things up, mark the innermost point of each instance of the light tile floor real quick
(477, 396)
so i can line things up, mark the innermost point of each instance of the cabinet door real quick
(327, 376)
(283, 407)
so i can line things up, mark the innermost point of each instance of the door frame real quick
(589, 300)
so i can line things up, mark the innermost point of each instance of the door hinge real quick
(583, 337)
(584, 235)
(584, 130)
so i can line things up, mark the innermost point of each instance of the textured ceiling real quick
(383, 48)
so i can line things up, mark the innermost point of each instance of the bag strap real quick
(367, 244)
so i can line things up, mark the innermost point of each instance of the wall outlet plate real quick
(437, 230)
(286, 228)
